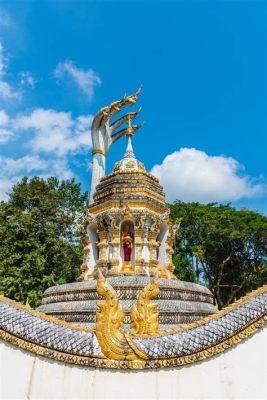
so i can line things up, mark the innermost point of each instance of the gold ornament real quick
(99, 151)
(127, 268)
(109, 324)
(144, 319)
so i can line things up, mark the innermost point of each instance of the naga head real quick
(105, 131)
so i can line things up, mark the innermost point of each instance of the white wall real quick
(239, 373)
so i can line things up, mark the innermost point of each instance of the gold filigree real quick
(165, 273)
(109, 324)
(123, 189)
(144, 319)
(135, 205)
(144, 173)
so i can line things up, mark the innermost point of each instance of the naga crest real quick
(106, 130)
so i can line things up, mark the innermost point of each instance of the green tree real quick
(227, 248)
(40, 243)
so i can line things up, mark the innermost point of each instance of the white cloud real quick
(5, 135)
(56, 132)
(52, 137)
(193, 175)
(27, 79)
(5, 132)
(6, 90)
(12, 170)
(27, 163)
(85, 79)
(4, 118)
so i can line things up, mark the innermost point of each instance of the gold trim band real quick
(99, 362)
(99, 151)
(133, 356)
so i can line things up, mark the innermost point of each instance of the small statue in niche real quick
(127, 242)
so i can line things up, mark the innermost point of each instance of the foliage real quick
(226, 248)
(40, 244)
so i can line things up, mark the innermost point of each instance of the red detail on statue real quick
(127, 251)
(127, 240)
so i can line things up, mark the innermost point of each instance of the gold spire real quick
(130, 129)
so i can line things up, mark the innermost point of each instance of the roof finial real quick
(130, 129)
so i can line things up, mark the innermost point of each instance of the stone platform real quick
(179, 302)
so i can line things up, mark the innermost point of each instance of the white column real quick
(98, 171)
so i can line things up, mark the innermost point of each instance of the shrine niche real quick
(128, 206)
(127, 246)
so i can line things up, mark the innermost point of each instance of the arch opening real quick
(127, 248)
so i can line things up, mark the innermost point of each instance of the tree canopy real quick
(222, 247)
(40, 244)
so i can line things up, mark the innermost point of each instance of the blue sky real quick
(203, 68)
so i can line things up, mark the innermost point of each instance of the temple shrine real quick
(127, 311)
(128, 237)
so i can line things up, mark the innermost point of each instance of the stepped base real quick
(178, 302)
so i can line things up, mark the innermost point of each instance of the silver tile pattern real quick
(29, 326)
(206, 335)
(178, 347)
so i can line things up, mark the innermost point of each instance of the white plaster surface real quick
(162, 237)
(239, 373)
(91, 232)
(98, 170)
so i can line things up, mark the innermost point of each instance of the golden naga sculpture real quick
(109, 324)
(144, 319)
(110, 320)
